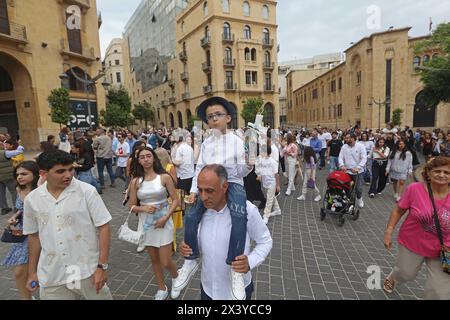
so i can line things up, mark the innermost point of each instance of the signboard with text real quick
(80, 117)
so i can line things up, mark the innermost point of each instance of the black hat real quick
(201, 111)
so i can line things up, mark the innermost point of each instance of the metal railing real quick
(205, 42)
(228, 37)
(207, 89)
(172, 100)
(184, 76)
(13, 30)
(87, 53)
(268, 42)
(185, 96)
(230, 86)
(183, 56)
(269, 65)
(229, 62)
(206, 66)
(269, 87)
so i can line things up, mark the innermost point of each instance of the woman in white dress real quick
(149, 191)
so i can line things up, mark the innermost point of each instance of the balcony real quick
(185, 96)
(87, 54)
(83, 4)
(184, 76)
(268, 43)
(13, 32)
(228, 38)
(172, 101)
(206, 67)
(229, 63)
(268, 65)
(207, 89)
(230, 86)
(205, 42)
(171, 83)
(183, 56)
(164, 104)
(269, 88)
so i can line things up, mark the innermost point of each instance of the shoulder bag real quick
(128, 235)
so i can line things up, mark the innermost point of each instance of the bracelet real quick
(390, 228)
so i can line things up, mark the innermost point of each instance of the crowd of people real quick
(221, 186)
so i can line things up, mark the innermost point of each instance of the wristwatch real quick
(104, 267)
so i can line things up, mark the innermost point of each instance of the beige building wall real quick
(114, 63)
(364, 78)
(35, 52)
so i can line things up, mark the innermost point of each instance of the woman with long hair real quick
(427, 146)
(290, 151)
(27, 176)
(399, 167)
(380, 155)
(310, 174)
(149, 191)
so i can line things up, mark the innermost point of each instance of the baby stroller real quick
(340, 198)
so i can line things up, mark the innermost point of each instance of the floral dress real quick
(18, 254)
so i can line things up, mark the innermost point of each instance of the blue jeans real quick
(248, 293)
(237, 203)
(101, 162)
(86, 176)
(334, 164)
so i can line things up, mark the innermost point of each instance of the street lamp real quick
(379, 103)
(88, 83)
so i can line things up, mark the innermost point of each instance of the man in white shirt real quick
(353, 159)
(184, 161)
(324, 137)
(67, 259)
(123, 153)
(214, 234)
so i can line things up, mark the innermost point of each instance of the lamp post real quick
(379, 103)
(88, 83)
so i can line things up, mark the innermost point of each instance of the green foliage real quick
(144, 112)
(120, 97)
(252, 107)
(192, 121)
(435, 74)
(397, 117)
(118, 109)
(59, 103)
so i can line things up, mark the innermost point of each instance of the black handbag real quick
(13, 236)
(445, 251)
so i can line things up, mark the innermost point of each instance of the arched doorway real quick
(172, 120)
(180, 120)
(18, 111)
(269, 119)
(188, 117)
(424, 114)
(234, 117)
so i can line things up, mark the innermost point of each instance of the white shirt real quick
(67, 231)
(122, 148)
(275, 155)
(185, 154)
(226, 150)
(267, 168)
(324, 138)
(214, 237)
(369, 145)
(306, 142)
(353, 157)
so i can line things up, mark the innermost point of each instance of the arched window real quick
(247, 32)
(227, 30)
(266, 36)
(247, 54)
(416, 62)
(426, 59)
(246, 8)
(6, 83)
(226, 6)
(74, 84)
(172, 120)
(265, 12)
(267, 58)
(228, 55)
(205, 8)
(180, 120)
(253, 54)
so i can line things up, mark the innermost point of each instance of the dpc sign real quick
(80, 117)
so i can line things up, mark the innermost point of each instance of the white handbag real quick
(128, 235)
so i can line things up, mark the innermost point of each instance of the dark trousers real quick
(283, 164)
(11, 186)
(253, 188)
(248, 293)
(185, 185)
(379, 178)
(322, 157)
(101, 163)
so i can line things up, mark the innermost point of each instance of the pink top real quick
(418, 232)
(290, 150)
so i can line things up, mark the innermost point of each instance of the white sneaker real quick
(285, 174)
(301, 198)
(140, 249)
(361, 203)
(237, 286)
(288, 192)
(184, 275)
(275, 213)
(318, 198)
(162, 295)
(266, 220)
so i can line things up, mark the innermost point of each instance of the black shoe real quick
(5, 211)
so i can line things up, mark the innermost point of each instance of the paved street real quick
(310, 259)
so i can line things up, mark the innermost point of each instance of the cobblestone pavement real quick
(310, 259)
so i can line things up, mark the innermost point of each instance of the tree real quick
(59, 104)
(252, 107)
(435, 74)
(120, 97)
(397, 117)
(192, 121)
(118, 109)
(144, 112)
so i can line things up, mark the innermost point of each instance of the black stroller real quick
(340, 198)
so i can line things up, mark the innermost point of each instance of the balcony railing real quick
(164, 103)
(185, 96)
(269, 88)
(172, 100)
(269, 65)
(207, 89)
(267, 42)
(183, 56)
(230, 86)
(228, 37)
(205, 42)
(87, 54)
(229, 62)
(206, 66)
(13, 31)
(184, 76)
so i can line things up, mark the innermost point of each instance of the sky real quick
(312, 27)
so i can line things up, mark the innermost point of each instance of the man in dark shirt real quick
(333, 150)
